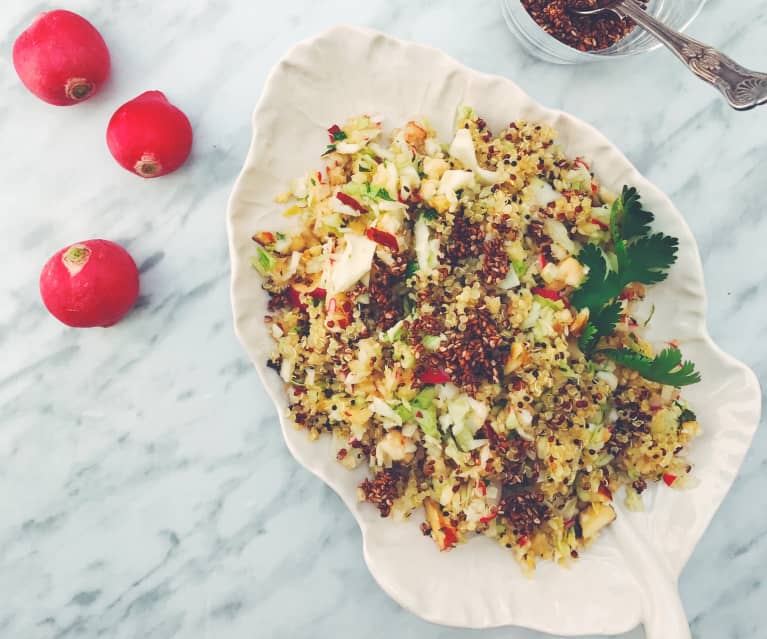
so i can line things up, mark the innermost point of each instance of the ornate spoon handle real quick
(743, 89)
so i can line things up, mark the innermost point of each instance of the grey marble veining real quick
(144, 487)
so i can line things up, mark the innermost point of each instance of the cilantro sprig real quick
(601, 323)
(665, 368)
(639, 257)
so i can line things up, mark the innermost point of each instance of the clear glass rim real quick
(564, 53)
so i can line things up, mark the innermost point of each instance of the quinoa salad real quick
(464, 319)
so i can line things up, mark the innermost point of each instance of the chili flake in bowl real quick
(465, 321)
(549, 30)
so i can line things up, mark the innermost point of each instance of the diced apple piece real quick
(594, 518)
(443, 534)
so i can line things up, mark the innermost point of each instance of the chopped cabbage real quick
(352, 264)
(462, 149)
(426, 249)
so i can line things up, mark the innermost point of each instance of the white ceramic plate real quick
(621, 579)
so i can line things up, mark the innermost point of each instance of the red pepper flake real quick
(350, 201)
(605, 491)
(343, 323)
(383, 238)
(294, 297)
(419, 414)
(434, 376)
(547, 293)
(341, 454)
(599, 223)
(332, 132)
(579, 161)
(482, 488)
(669, 479)
(298, 390)
(493, 514)
(264, 238)
(450, 537)
(569, 523)
(523, 540)
(594, 188)
(542, 261)
(318, 293)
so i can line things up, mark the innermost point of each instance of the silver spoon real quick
(743, 89)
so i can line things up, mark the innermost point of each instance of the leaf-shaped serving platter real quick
(629, 575)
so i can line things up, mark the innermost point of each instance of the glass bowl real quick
(675, 13)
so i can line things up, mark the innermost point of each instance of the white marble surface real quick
(144, 487)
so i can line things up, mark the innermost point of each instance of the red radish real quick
(91, 283)
(61, 58)
(149, 136)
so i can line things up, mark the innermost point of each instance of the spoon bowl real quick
(742, 88)
(676, 13)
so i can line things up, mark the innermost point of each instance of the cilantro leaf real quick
(640, 257)
(666, 368)
(601, 324)
(430, 214)
(629, 216)
(588, 338)
(383, 194)
(648, 259)
(687, 416)
(339, 135)
(600, 286)
(411, 268)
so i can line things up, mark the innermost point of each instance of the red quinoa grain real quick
(584, 33)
